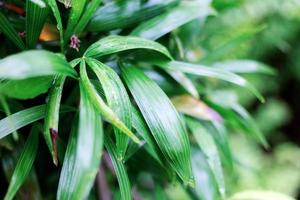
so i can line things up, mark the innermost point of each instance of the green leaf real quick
(245, 66)
(123, 14)
(113, 44)
(74, 16)
(53, 5)
(81, 163)
(165, 23)
(26, 88)
(86, 16)
(209, 148)
(100, 105)
(10, 32)
(120, 170)
(52, 116)
(260, 195)
(34, 63)
(36, 15)
(24, 164)
(117, 99)
(164, 122)
(21, 119)
(202, 70)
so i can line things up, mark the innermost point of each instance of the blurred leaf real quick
(86, 16)
(100, 105)
(34, 63)
(195, 108)
(21, 119)
(209, 148)
(245, 66)
(201, 70)
(24, 164)
(120, 170)
(184, 81)
(123, 14)
(260, 195)
(165, 23)
(26, 88)
(67, 3)
(114, 43)
(164, 122)
(117, 99)
(75, 14)
(83, 160)
(36, 15)
(10, 32)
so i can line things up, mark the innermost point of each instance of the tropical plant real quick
(120, 90)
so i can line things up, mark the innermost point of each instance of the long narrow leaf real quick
(100, 105)
(21, 119)
(117, 99)
(209, 148)
(123, 14)
(36, 16)
(34, 63)
(201, 70)
(10, 32)
(78, 183)
(87, 14)
(165, 23)
(120, 170)
(163, 120)
(113, 44)
(24, 164)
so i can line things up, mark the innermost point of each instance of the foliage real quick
(145, 93)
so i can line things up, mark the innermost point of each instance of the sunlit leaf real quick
(209, 148)
(245, 66)
(120, 170)
(114, 44)
(260, 195)
(24, 164)
(82, 161)
(163, 120)
(201, 70)
(123, 14)
(34, 63)
(35, 19)
(165, 23)
(101, 107)
(10, 32)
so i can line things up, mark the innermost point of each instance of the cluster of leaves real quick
(146, 114)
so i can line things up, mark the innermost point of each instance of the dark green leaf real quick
(34, 63)
(26, 88)
(123, 14)
(81, 162)
(165, 23)
(117, 99)
(10, 32)
(120, 170)
(36, 16)
(115, 43)
(164, 122)
(24, 164)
